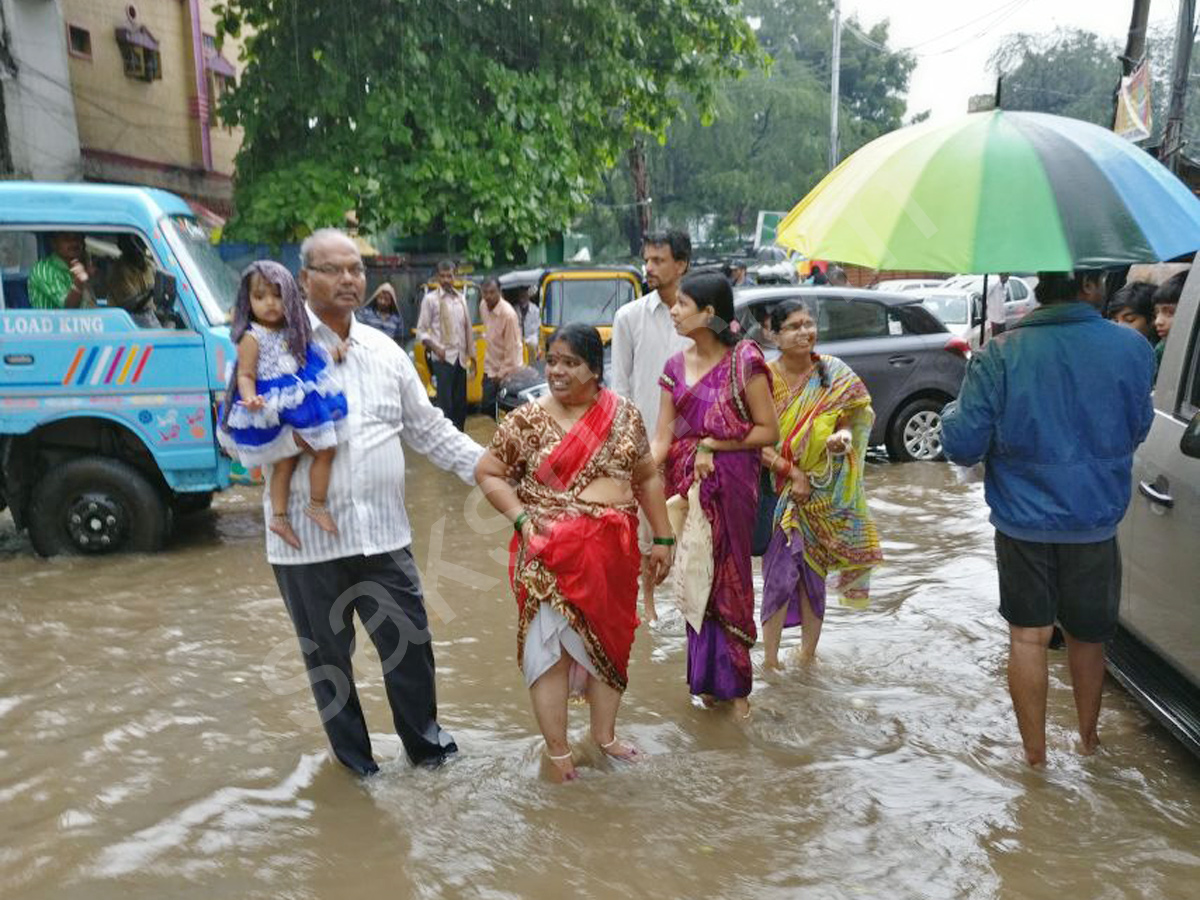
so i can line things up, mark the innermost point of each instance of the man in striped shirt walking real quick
(368, 565)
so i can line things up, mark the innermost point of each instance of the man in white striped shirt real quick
(368, 565)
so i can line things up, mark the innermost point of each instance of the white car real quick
(1021, 298)
(959, 310)
(903, 285)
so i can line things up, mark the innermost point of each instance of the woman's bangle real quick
(665, 541)
(704, 448)
(520, 520)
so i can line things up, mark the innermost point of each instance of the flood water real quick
(158, 739)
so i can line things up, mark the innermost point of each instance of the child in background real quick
(1166, 298)
(1133, 307)
(281, 398)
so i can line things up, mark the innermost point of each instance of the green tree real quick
(1071, 72)
(769, 143)
(488, 120)
(1068, 72)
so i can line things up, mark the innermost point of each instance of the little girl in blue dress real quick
(282, 398)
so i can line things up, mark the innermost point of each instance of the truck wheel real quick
(96, 505)
(193, 502)
(916, 432)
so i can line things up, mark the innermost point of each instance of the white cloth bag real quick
(693, 569)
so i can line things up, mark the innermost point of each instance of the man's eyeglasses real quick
(355, 270)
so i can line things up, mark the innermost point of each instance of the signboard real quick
(766, 228)
(1134, 113)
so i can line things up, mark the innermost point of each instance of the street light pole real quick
(1135, 48)
(1185, 35)
(834, 84)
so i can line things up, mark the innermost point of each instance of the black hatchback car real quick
(910, 363)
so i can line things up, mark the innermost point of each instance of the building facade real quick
(38, 135)
(146, 77)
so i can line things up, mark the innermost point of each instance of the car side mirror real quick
(1189, 444)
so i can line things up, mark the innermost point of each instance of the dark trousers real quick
(491, 392)
(451, 398)
(385, 591)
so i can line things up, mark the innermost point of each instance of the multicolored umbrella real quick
(996, 192)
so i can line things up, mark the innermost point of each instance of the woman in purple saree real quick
(716, 415)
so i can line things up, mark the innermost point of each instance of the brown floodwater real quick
(158, 739)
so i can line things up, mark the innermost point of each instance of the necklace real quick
(800, 382)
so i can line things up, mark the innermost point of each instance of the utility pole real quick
(834, 84)
(1185, 36)
(641, 195)
(1135, 47)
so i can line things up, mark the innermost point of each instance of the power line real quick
(1002, 14)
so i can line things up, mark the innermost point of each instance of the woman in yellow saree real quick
(821, 522)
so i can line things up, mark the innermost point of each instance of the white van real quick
(1156, 654)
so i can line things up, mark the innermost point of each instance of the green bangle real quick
(704, 448)
(519, 521)
(665, 541)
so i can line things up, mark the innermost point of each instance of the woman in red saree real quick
(582, 466)
(716, 415)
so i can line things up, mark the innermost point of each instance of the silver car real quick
(1156, 654)
(910, 363)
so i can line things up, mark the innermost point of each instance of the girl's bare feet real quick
(649, 614)
(741, 707)
(773, 664)
(282, 527)
(319, 513)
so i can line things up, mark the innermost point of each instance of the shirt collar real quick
(1054, 313)
(317, 325)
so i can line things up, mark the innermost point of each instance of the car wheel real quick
(916, 432)
(96, 505)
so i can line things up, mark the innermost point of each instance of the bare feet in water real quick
(319, 513)
(1087, 746)
(619, 750)
(282, 527)
(562, 767)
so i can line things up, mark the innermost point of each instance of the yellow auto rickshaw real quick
(588, 295)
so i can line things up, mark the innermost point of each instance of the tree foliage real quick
(488, 120)
(769, 143)
(1072, 72)
(1068, 72)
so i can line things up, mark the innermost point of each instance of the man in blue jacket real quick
(1055, 408)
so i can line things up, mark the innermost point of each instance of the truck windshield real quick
(217, 282)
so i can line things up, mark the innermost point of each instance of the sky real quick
(954, 38)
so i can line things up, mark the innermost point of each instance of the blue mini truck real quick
(108, 410)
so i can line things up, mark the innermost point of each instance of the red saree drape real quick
(593, 556)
